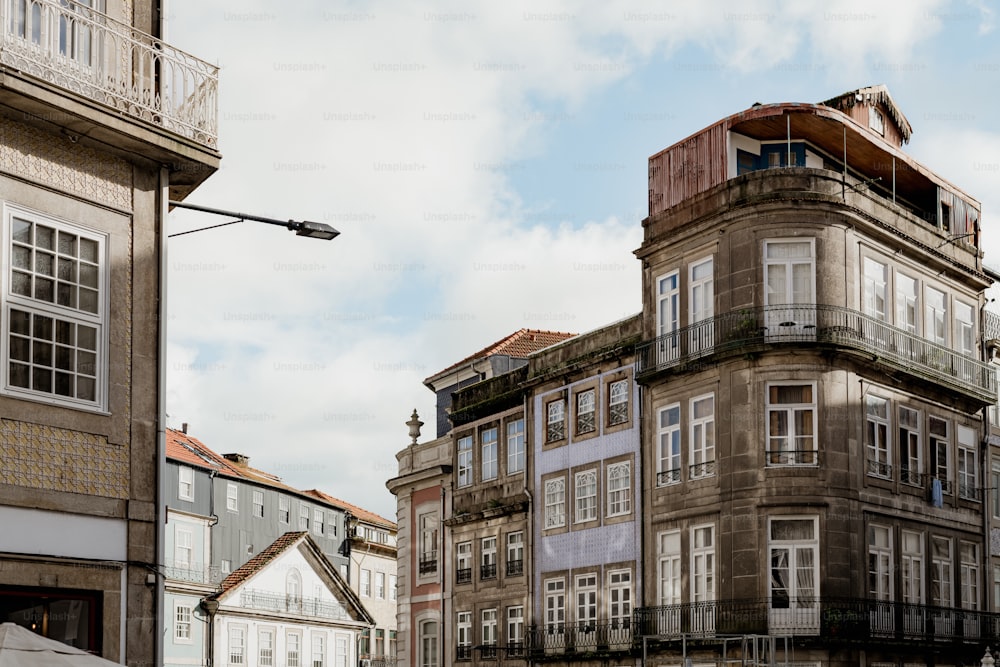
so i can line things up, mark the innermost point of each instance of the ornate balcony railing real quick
(838, 620)
(428, 562)
(488, 571)
(750, 329)
(98, 57)
(579, 638)
(463, 575)
(194, 573)
(699, 470)
(305, 606)
(515, 567)
(792, 457)
(378, 660)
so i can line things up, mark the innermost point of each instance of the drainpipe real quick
(442, 578)
(161, 412)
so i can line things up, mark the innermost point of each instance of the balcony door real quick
(702, 306)
(794, 566)
(668, 313)
(790, 289)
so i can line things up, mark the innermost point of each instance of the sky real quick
(486, 166)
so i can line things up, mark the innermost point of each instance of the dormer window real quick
(876, 121)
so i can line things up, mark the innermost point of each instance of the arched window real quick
(429, 644)
(293, 590)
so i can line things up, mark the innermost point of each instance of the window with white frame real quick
(669, 436)
(879, 563)
(463, 562)
(702, 563)
(619, 488)
(258, 504)
(790, 284)
(225, 566)
(489, 627)
(318, 649)
(876, 121)
(237, 645)
(283, 509)
(265, 647)
(968, 471)
(912, 562)
(702, 436)
(182, 624)
(618, 403)
(935, 316)
(318, 526)
(428, 633)
(791, 424)
(515, 553)
(463, 634)
(488, 565)
(942, 594)
(965, 329)
(428, 523)
(875, 289)
(669, 568)
(585, 412)
(701, 305)
(555, 604)
(392, 587)
(794, 561)
(465, 460)
(293, 649)
(303, 517)
(586, 496)
(940, 448)
(366, 583)
(341, 649)
(877, 437)
(185, 483)
(555, 420)
(969, 574)
(619, 598)
(515, 446)
(907, 303)
(55, 308)
(555, 503)
(232, 498)
(515, 626)
(586, 602)
(910, 447)
(183, 547)
(293, 589)
(380, 585)
(488, 439)
(668, 301)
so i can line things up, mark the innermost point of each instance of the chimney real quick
(242, 460)
(184, 428)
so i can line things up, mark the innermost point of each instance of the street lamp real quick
(313, 230)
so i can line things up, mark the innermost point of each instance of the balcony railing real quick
(668, 477)
(194, 573)
(378, 660)
(515, 567)
(463, 575)
(98, 57)
(577, 638)
(792, 457)
(428, 562)
(305, 606)
(840, 620)
(752, 328)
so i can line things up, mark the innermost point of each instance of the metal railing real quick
(98, 57)
(515, 567)
(668, 477)
(791, 457)
(428, 563)
(195, 573)
(752, 328)
(463, 575)
(305, 606)
(488, 571)
(592, 637)
(699, 470)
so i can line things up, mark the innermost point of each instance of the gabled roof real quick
(191, 451)
(518, 345)
(260, 561)
(359, 512)
(880, 94)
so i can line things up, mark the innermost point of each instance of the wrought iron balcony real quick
(515, 567)
(579, 638)
(829, 621)
(428, 562)
(463, 575)
(194, 573)
(753, 329)
(93, 55)
(305, 606)
(668, 477)
(488, 571)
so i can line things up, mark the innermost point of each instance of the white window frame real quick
(428, 643)
(465, 461)
(668, 303)
(668, 461)
(265, 647)
(183, 612)
(935, 315)
(284, 512)
(488, 557)
(880, 562)
(586, 411)
(293, 649)
(798, 606)
(618, 402)
(669, 569)
(703, 563)
(515, 549)
(585, 493)
(318, 525)
(965, 328)
(515, 626)
(463, 557)
(303, 517)
(183, 547)
(515, 446)
(778, 452)
(555, 604)
(911, 446)
(942, 592)
(463, 629)
(98, 354)
(619, 483)
(185, 483)
(318, 648)
(875, 297)
(586, 601)
(489, 627)
(237, 645)
(912, 563)
(365, 584)
(232, 497)
(907, 303)
(428, 523)
(619, 598)
(555, 503)
(968, 553)
(878, 436)
(489, 445)
(701, 305)
(555, 420)
(702, 430)
(968, 466)
(380, 585)
(790, 321)
(392, 587)
(940, 452)
(258, 503)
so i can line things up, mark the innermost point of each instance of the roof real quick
(359, 512)
(519, 345)
(187, 449)
(880, 94)
(260, 561)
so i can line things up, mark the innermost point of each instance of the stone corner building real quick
(101, 125)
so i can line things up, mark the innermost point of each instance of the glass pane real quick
(21, 284)
(44, 289)
(20, 322)
(42, 329)
(45, 263)
(88, 275)
(88, 250)
(18, 375)
(66, 295)
(85, 389)
(64, 332)
(20, 348)
(88, 300)
(22, 231)
(41, 353)
(21, 257)
(64, 384)
(64, 358)
(67, 244)
(86, 363)
(67, 269)
(41, 379)
(86, 337)
(44, 237)
(792, 529)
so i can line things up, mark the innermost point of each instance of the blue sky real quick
(486, 165)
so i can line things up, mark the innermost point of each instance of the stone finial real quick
(414, 425)
(987, 660)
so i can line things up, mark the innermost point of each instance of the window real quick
(392, 587)
(463, 635)
(669, 568)
(488, 569)
(488, 438)
(619, 488)
(794, 550)
(668, 304)
(703, 564)
(366, 583)
(265, 647)
(965, 332)
(585, 421)
(619, 598)
(465, 461)
(237, 645)
(183, 548)
(515, 553)
(185, 483)
(555, 503)
(463, 562)
(380, 585)
(55, 308)
(910, 447)
(939, 452)
(586, 496)
(283, 509)
(941, 582)
(702, 436)
(428, 542)
(789, 278)
(318, 526)
(586, 602)
(995, 488)
(968, 474)
(879, 563)
(555, 421)
(555, 604)
(226, 566)
(913, 567)
(303, 517)
(618, 403)
(702, 305)
(293, 590)
(319, 649)
(489, 636)
(935, 316)
(380, 642)
(669, 460)
(906, 303)
(875, 289)
(341, 650)
(515, 627)
(182, 624)
(969, 574)
(996, 588)
(876, 121)
(791, 415)
(232, 498)
(258, 504)
(877, 437)
(293, 649)
(515, 446)
(428, 634)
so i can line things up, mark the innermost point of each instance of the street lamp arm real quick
(316, 230)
